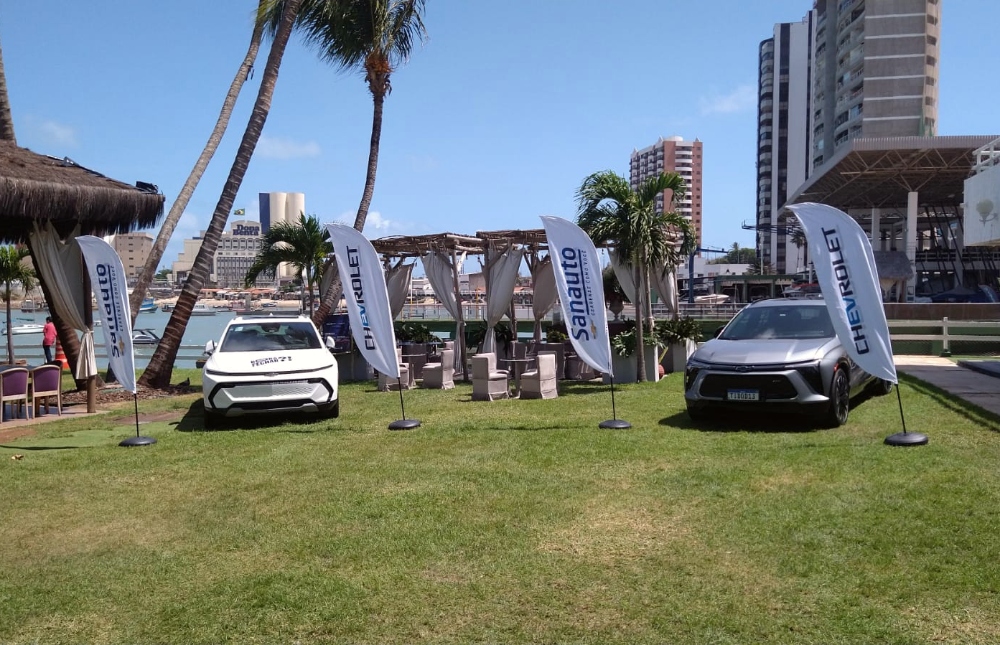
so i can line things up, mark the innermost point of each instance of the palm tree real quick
(184, 196)
(6, 120)
(371, 36)
(13, 270)
(612, 213)
(305, 245)
(161, 364)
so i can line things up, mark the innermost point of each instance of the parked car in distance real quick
(269, 364)
(779, 355)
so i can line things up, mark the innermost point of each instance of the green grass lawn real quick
(505, 522)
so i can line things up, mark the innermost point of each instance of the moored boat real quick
(148, 306)
(201, 309)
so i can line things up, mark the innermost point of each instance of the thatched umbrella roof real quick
(36, 187)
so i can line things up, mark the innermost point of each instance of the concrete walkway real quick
(975, 381)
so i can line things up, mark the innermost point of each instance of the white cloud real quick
(54, 133)
(375, 225)
(741, 99)
(278, 148)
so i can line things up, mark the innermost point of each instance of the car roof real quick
(784, 302)
(270, 318)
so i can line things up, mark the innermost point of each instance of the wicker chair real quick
(389, 384)
(540, 383)
(488, 383)
(46, 384)
(441, 376)
(14, 390)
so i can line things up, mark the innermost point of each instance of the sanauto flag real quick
(577, 270)
(107, 280)
(367, 298)
(845, 269)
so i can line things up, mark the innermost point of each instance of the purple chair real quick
(46, 383)
(14, 389)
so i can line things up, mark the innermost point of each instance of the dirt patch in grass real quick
(166, 415)
(608, 532)
(11, 434)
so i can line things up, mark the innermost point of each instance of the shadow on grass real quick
(748, 421)
(10, 447)
(194, 421)
(970, 411)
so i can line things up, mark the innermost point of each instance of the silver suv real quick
(778, 355)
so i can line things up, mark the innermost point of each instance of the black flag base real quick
(137, 441)
(906, 439)
(614, 424)
(404, 424)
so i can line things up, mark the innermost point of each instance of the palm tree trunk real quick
(640, 358)
(336, 288)
(6, 120)
(10, 329)
(161, 364)
(184, 196)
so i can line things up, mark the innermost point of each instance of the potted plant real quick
(678, 338)
(623, 354)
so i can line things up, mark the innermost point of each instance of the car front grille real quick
(771, 386)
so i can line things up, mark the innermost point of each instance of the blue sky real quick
(493, 122)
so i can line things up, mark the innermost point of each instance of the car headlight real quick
(811, 374)
(691, 371)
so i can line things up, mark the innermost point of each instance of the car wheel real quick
(880, 387)
(333, 412)
(840, 399)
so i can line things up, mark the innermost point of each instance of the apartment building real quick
(673, 154)
(133, 249)
(875, 71)
(783, 144)
(869, 69)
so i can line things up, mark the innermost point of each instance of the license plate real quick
(743, 395)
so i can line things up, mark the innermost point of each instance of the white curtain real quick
(543, 279)
(60, 264)
(397, 281)
(665, 283)
(441, 276)
(626, 276)
(501, 276)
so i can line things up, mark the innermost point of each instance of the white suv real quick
(269, 364)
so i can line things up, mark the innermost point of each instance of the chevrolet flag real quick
(367, 298)
(845, 269)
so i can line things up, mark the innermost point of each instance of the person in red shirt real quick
(48, 338)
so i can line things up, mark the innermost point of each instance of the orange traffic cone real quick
(61, 355)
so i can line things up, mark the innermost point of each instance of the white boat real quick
(144, 337)
(148, 306)
(201, 309)
(711, 299)
(25, 328)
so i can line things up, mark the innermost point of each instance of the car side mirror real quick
(331, 344)
(718, 331)
(210, 347)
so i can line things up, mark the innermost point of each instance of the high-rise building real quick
(869, 68)
(672, 154)
(783, 137)
(875, 71)
(236, 252)
(281, 207)
(133, 249)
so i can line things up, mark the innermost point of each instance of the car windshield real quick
(791, 322)
(265, 336)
